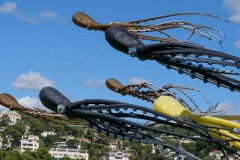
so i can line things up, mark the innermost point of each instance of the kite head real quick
(122, 40)
(8, 100)
(53, 99)
(84, 21)
(114, 85)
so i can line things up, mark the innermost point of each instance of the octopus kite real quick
(187, 58)
(121, 120)
(140, 28)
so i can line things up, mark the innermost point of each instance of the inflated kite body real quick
(210, 66)
(182, 55)
(121, 120)
(167, 102)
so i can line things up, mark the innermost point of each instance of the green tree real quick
(190, 147)
(3, 153)
(11, 155)
(73, 142)
(41, 154)
(37, 127)
(199, 148)
(50, 126)
(49, 140)
(5, 141)
(75, 131)
(89, 135)
(125, 143)
(14, 132)
(26, 156)
(65, 158)
(97, 150)
(94, 157)
(5, 121)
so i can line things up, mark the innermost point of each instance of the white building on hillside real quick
(72, 153)
(116, 155)
(61, 144)
(216, 154)
(13, 116)
(46, 133)
(1, 141)
(29, 142)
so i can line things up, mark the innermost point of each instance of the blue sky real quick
(40, 46)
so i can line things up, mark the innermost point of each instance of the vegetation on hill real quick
(95, 149)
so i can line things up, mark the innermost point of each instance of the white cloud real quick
(29, 19)
(235, 18)
(234, 8)
(48, 15)
(228, 108)
(237, 44)
(31, 102)
(32, 80)
(136, 80)
(63, 21)
(28, 102)
(2, 107)
(94, 83)
(234, 5)
(12, 8)
(8, 7)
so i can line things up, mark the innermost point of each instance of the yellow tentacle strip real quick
(171, 107)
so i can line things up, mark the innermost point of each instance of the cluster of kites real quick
(122, 120)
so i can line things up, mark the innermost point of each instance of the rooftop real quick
(8, 112)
